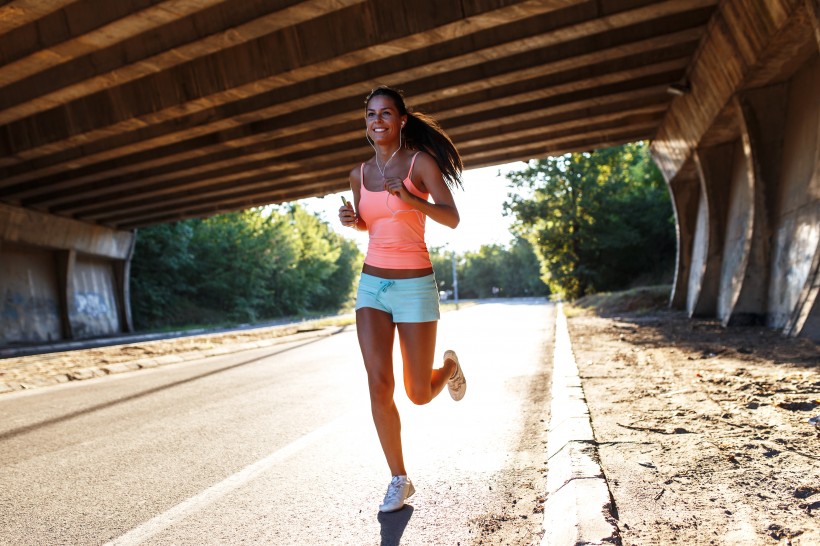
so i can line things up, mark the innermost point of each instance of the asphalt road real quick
(276, 445)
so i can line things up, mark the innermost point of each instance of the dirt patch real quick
(704, 432)
(28, 372)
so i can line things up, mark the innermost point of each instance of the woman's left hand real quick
(396, 187)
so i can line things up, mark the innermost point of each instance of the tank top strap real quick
(412, 162)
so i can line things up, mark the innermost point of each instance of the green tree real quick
(492, 271)
(233, 254)
(162, 258)
(482, 272)
(596, 220)
(242, 266)
(520, 271)
(300, 282)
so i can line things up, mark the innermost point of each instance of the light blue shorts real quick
(406, 300)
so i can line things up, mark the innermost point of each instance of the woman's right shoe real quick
(457, 385)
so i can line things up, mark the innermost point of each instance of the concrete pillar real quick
(685, 191)
(707, 253)
(65, 271)
(744, 274)
(795, 283)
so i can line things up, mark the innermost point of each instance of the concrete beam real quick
(735, 43)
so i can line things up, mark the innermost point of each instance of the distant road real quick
(276, 446)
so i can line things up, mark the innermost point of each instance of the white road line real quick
(182, 510)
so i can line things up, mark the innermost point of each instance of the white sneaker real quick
(457, 385)
(399, 490)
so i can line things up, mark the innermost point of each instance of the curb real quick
(579, 508)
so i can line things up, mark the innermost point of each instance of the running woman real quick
(414, 159)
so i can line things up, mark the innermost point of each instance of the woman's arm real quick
(347, 213)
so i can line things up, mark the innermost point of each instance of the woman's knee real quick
(419, 394)
(381, 390)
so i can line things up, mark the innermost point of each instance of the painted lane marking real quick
(173, 515)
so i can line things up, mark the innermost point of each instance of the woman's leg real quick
(418, 346)
(376, 332)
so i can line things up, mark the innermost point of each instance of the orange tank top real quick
(395, 228)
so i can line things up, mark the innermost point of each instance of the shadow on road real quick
(79, 413)
(394, 524)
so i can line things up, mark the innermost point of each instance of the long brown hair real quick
(422, 132)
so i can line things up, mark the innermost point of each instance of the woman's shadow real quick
(393, 525)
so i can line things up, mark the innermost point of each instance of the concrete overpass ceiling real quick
(138, 112)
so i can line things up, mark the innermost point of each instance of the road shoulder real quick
(702, 431)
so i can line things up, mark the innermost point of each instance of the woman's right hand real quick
(348, 216)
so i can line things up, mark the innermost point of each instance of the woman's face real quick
(383, 119)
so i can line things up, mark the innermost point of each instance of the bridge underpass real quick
(120, 115)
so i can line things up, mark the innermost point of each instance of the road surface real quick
(276, 446)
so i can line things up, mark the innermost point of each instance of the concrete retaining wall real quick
(61, 279)
(29, 295)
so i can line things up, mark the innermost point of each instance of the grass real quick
(640, 300)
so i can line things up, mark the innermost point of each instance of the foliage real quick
(239, 267)
(159, 266)
(596, 220)
(492, 271)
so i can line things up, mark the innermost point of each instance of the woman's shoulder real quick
(423, 160)
(356, 173)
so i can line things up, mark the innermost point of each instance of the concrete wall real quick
(61, 279)
(29, 295)
(93, 307)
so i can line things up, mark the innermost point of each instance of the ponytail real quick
(422, 132)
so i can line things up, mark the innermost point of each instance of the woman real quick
(414, 159)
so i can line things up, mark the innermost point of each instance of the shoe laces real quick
(394, 490)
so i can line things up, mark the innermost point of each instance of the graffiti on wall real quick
(28, 318)
(91, 304)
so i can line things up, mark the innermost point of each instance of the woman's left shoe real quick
(398, 491)
(457, 385)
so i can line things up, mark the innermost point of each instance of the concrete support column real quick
(65, 272)
(685, 191)
(795, 284)
(707, 252)
(122, 276)
(745, 269)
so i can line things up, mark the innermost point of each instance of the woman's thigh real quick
(376, 332)
(418, 346)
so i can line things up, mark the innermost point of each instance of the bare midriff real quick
(396, 273)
